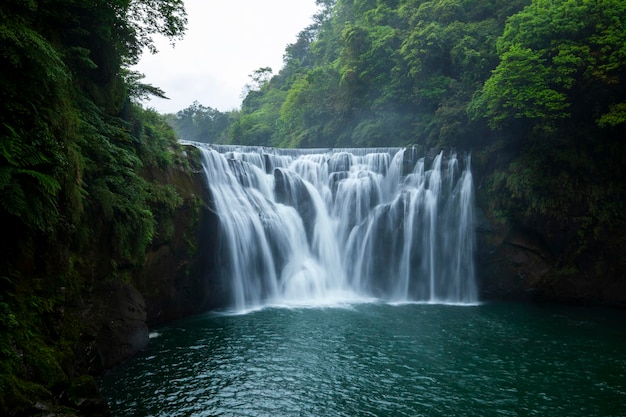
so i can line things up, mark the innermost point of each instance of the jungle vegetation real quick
(74, 148)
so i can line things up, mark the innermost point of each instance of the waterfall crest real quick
(312, 226)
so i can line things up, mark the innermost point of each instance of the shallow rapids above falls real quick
(319, 226)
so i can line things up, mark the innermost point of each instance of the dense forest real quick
(535, 89)
(454, 73)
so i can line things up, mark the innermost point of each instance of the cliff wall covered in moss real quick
(70, 313)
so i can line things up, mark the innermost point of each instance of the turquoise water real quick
(381, 360)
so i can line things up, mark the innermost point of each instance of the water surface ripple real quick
(381, 360)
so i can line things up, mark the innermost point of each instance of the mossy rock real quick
(85, 396)
(18, 397)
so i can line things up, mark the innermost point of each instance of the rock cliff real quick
(180, 276)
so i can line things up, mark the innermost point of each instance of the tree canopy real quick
(371, 73)
(552, 55)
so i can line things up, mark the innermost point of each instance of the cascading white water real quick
(308, 226)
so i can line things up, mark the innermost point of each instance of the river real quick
(380, 359)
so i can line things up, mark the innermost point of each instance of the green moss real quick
(18, 396)
(42, 362)
(195, 205)
(81, 388)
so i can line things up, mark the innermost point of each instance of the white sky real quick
(226, 40)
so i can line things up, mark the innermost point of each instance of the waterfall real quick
(317, 225)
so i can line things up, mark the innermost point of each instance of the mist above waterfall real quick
(326, 226)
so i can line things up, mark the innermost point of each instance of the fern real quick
(23, 47)
(26, 191)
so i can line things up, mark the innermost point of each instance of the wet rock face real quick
(574, 258)
(125, 332)
(114, 329)
(512, 263)
(180, 277)
(520, 264)
(181, 274)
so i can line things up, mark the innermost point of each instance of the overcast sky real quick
(226, 41)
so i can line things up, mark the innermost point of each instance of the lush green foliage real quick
(202, 124)
(370, 73)
(560, 84)
(73, 148)
(557, 100)
(559, 59)
(373, 73)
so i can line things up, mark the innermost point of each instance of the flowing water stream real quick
(318, 226)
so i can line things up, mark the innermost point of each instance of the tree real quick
(146, 18)
(202, 124)
(521, 88)
(59, 59)
(259, 77)
(558, 60)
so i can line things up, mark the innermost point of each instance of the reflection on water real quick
(381, 360)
